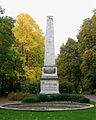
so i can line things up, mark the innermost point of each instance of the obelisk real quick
(49, 79)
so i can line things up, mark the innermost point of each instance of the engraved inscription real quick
(49, 70)
(49, 86)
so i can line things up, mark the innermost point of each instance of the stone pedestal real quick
(49, 87)
(49, 80)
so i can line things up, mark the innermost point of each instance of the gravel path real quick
(4, 100)
(91, 97)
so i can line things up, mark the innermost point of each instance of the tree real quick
(27, 33)
(30, 44)
(2, 10)
(68, 63)
(87, 34)
(10, 63)
(88, 68)
(86, 48)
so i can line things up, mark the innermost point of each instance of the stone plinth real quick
(49, 86)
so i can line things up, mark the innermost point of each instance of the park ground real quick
(88, 114)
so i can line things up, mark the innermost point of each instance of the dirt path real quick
(91, 97)
(4, 100)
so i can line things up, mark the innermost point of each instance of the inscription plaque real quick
(49, 86)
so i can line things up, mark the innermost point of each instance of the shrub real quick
(30, 86)
(66, 87)
(55, 97)
(75, 97)
(94, 91)
(84, 100)
(18, 95)
(32, 99)
(59, 97)
(43, 97)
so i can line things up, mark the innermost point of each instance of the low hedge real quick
(33, 99)
(84, 100)
(58, 97)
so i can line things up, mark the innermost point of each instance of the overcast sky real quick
(68, 15)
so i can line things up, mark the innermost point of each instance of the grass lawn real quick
(88, 114)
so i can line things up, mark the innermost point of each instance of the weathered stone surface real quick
(49, 59)
(49, 86)
(49, 79)
(49, 71)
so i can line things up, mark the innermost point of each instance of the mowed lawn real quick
(88, 114)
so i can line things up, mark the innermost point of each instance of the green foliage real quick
(77, 60)
(6, 35)
(17, 63)
(87, 34)
(68, 63)
(88, 68)
(66, 87)
(87, 50)
(34, 62)
(94, 91)
(58, 97)
(37, 56)
(10, 62)
(43, 98)
(30, 86)
(33, 99)
(84, 100)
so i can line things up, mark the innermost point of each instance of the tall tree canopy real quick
(86, 48)
(88, 68)
(27, 32)
(68, 63)
(10, 63)
(2, 10)
(30, 43)
(87, 34)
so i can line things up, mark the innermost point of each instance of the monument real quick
(49, 79)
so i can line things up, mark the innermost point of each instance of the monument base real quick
(49, 87)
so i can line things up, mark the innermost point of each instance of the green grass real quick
(88, 114)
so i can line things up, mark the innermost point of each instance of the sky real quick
(68, 15)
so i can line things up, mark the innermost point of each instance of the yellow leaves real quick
(29, 73)
(27, 32)
(32, 73)
(28, 37)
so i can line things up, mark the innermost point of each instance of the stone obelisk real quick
(49, 79)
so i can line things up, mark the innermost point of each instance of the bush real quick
(55, 97)
(33, 99)
(84, 100)
(59, 97)
(18, 95)
(94, 91)
(66, 87)
(75, 97)
(30, 86)
(43, 98)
